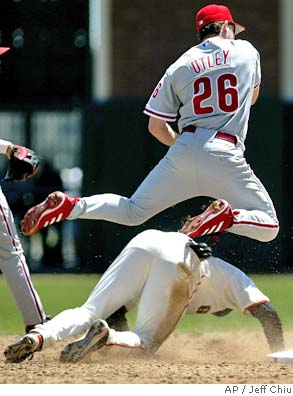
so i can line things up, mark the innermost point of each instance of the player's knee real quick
(136, 215)
(136, 221)
(268, 234)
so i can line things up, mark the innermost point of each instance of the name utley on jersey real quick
(211, 85)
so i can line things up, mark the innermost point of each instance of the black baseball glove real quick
(23, 164)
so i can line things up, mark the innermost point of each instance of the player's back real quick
(168, 246)
(214, 82)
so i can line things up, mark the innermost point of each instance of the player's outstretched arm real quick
(271, 324)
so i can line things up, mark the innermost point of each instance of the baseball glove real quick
(23, 164)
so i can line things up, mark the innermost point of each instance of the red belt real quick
(219, 134)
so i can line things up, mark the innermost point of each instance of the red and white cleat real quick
(56, 207)
(215, 219)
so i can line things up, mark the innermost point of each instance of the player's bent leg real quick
(111, 207)
(220, 217)
(254, 215)
(68, 323)
(255, 224)
(166, 185)
(94, 339)
(98, 336)
(171, 284)
(117, 320)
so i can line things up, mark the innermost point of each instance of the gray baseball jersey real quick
(211, 85)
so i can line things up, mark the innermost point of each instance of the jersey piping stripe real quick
(161, 115)
(22, 264)
(167, 114)
(256, 224)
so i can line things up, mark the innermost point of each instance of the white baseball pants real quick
(157, 269)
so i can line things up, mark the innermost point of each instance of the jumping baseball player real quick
(167, 274)
(211, 88)
(23, 163)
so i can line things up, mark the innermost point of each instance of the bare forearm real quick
(271, 324)
(162, 131)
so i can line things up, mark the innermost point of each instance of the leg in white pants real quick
(162, 285)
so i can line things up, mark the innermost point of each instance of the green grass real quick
(59, 292)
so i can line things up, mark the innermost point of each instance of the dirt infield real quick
(212, 358)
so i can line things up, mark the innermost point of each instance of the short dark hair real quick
(212, 28)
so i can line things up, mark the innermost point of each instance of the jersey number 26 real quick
(226, 94)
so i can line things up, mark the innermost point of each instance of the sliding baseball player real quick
(165, 274)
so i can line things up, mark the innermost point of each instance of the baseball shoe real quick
(94, 339)
(56, 207)
(215, 219)
(23, 348)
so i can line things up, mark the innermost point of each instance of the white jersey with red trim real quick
(211, 85)
(224, 286)
(159, 272)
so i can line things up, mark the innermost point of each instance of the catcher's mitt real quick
(23, 164)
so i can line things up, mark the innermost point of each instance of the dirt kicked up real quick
(212, 358)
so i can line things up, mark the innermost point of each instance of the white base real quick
(281, 357)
